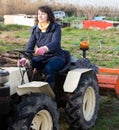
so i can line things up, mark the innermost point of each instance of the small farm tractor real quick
(27, 101)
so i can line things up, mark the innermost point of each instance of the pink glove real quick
(21, 62)
(41, 51)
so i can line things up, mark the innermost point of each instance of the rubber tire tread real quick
(74, 108)
(32, 104)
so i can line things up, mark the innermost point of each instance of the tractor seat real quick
(68, 62)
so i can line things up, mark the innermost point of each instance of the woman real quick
(46, 35)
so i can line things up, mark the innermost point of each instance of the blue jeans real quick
(49, 67)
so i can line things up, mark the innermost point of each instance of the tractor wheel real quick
(37, 112)
(83, 104)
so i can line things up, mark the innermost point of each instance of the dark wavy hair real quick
(49, 12)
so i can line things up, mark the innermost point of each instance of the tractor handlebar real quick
(23, 51)
(27, 53)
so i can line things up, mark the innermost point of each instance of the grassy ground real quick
(108, 116)
(104, 51)
(104, 46)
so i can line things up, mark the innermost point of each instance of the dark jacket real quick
(51, 38)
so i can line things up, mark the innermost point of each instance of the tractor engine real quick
(4, 98)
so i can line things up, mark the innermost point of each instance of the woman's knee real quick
(48, 69)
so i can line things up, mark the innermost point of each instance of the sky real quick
(108, 3)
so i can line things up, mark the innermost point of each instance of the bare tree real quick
(89, 12)
(19, 6)
(30, 7)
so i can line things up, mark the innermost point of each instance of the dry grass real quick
(7, 37)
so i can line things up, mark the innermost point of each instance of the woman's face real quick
(42, 16)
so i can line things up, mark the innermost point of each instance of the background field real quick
(104, 51)
(104, 44)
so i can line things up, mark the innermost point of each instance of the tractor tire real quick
(83, 104)
(36, 112)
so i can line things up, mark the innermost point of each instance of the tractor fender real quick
(72, 79)
(35, 87)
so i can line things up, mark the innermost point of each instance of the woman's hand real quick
(41, 51)
(21, 62)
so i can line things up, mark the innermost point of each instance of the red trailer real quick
(108, 79)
